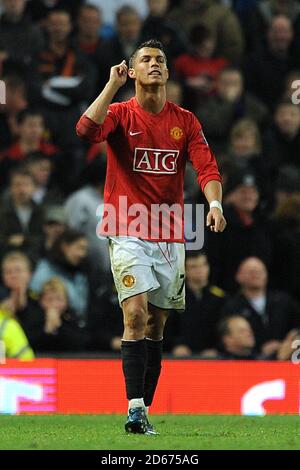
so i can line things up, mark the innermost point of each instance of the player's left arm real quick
(209, 179)
(215, 219)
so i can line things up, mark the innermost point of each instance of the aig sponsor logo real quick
(155, 161)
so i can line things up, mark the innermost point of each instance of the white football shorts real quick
(157, 268)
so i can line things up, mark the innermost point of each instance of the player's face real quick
(150, 67)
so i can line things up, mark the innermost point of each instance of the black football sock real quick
(134, 356)
(153, 368)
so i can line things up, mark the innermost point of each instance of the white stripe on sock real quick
(136, 403)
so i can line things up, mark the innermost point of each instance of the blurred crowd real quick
(236, 65)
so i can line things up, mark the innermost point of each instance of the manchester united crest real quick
(128, 281)
(176, 133)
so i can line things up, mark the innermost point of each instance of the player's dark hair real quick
(152, 44)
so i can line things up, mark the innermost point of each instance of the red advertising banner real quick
(189, 386)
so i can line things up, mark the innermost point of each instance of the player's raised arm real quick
(98, 109)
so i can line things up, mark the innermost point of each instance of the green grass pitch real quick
(178, 432)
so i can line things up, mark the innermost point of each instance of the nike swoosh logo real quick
(135, 133)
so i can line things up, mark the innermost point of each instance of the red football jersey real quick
(146, 158)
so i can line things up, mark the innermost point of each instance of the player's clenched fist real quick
(118, 74)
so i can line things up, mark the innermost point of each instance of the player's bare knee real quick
(135, 319)
(155, 328)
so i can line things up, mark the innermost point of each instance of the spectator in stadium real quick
(31, 133)
(230, 103)
(158, 25)
(84, 213)
(286, 184)
(63, 78)
(66, 262)
(38, 10)
(245, 10)
(23, 218)
(219, 19)
(56, 329)
(237, 341)
(198, 68)
(245, 144)
(105, 319)
(110, 11)
(285, 234)
(281, 141)
(20, 40)
(129, 24)
(12, 335)
(245, 152)
(175, 92)
(16, 101)
(121, 46)
(271, 314)
(42, 168)
(193, 331)
(16, 297)
(266, 10)
(246, 234)
(89, 41)
(266, 69)
(55, 223)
